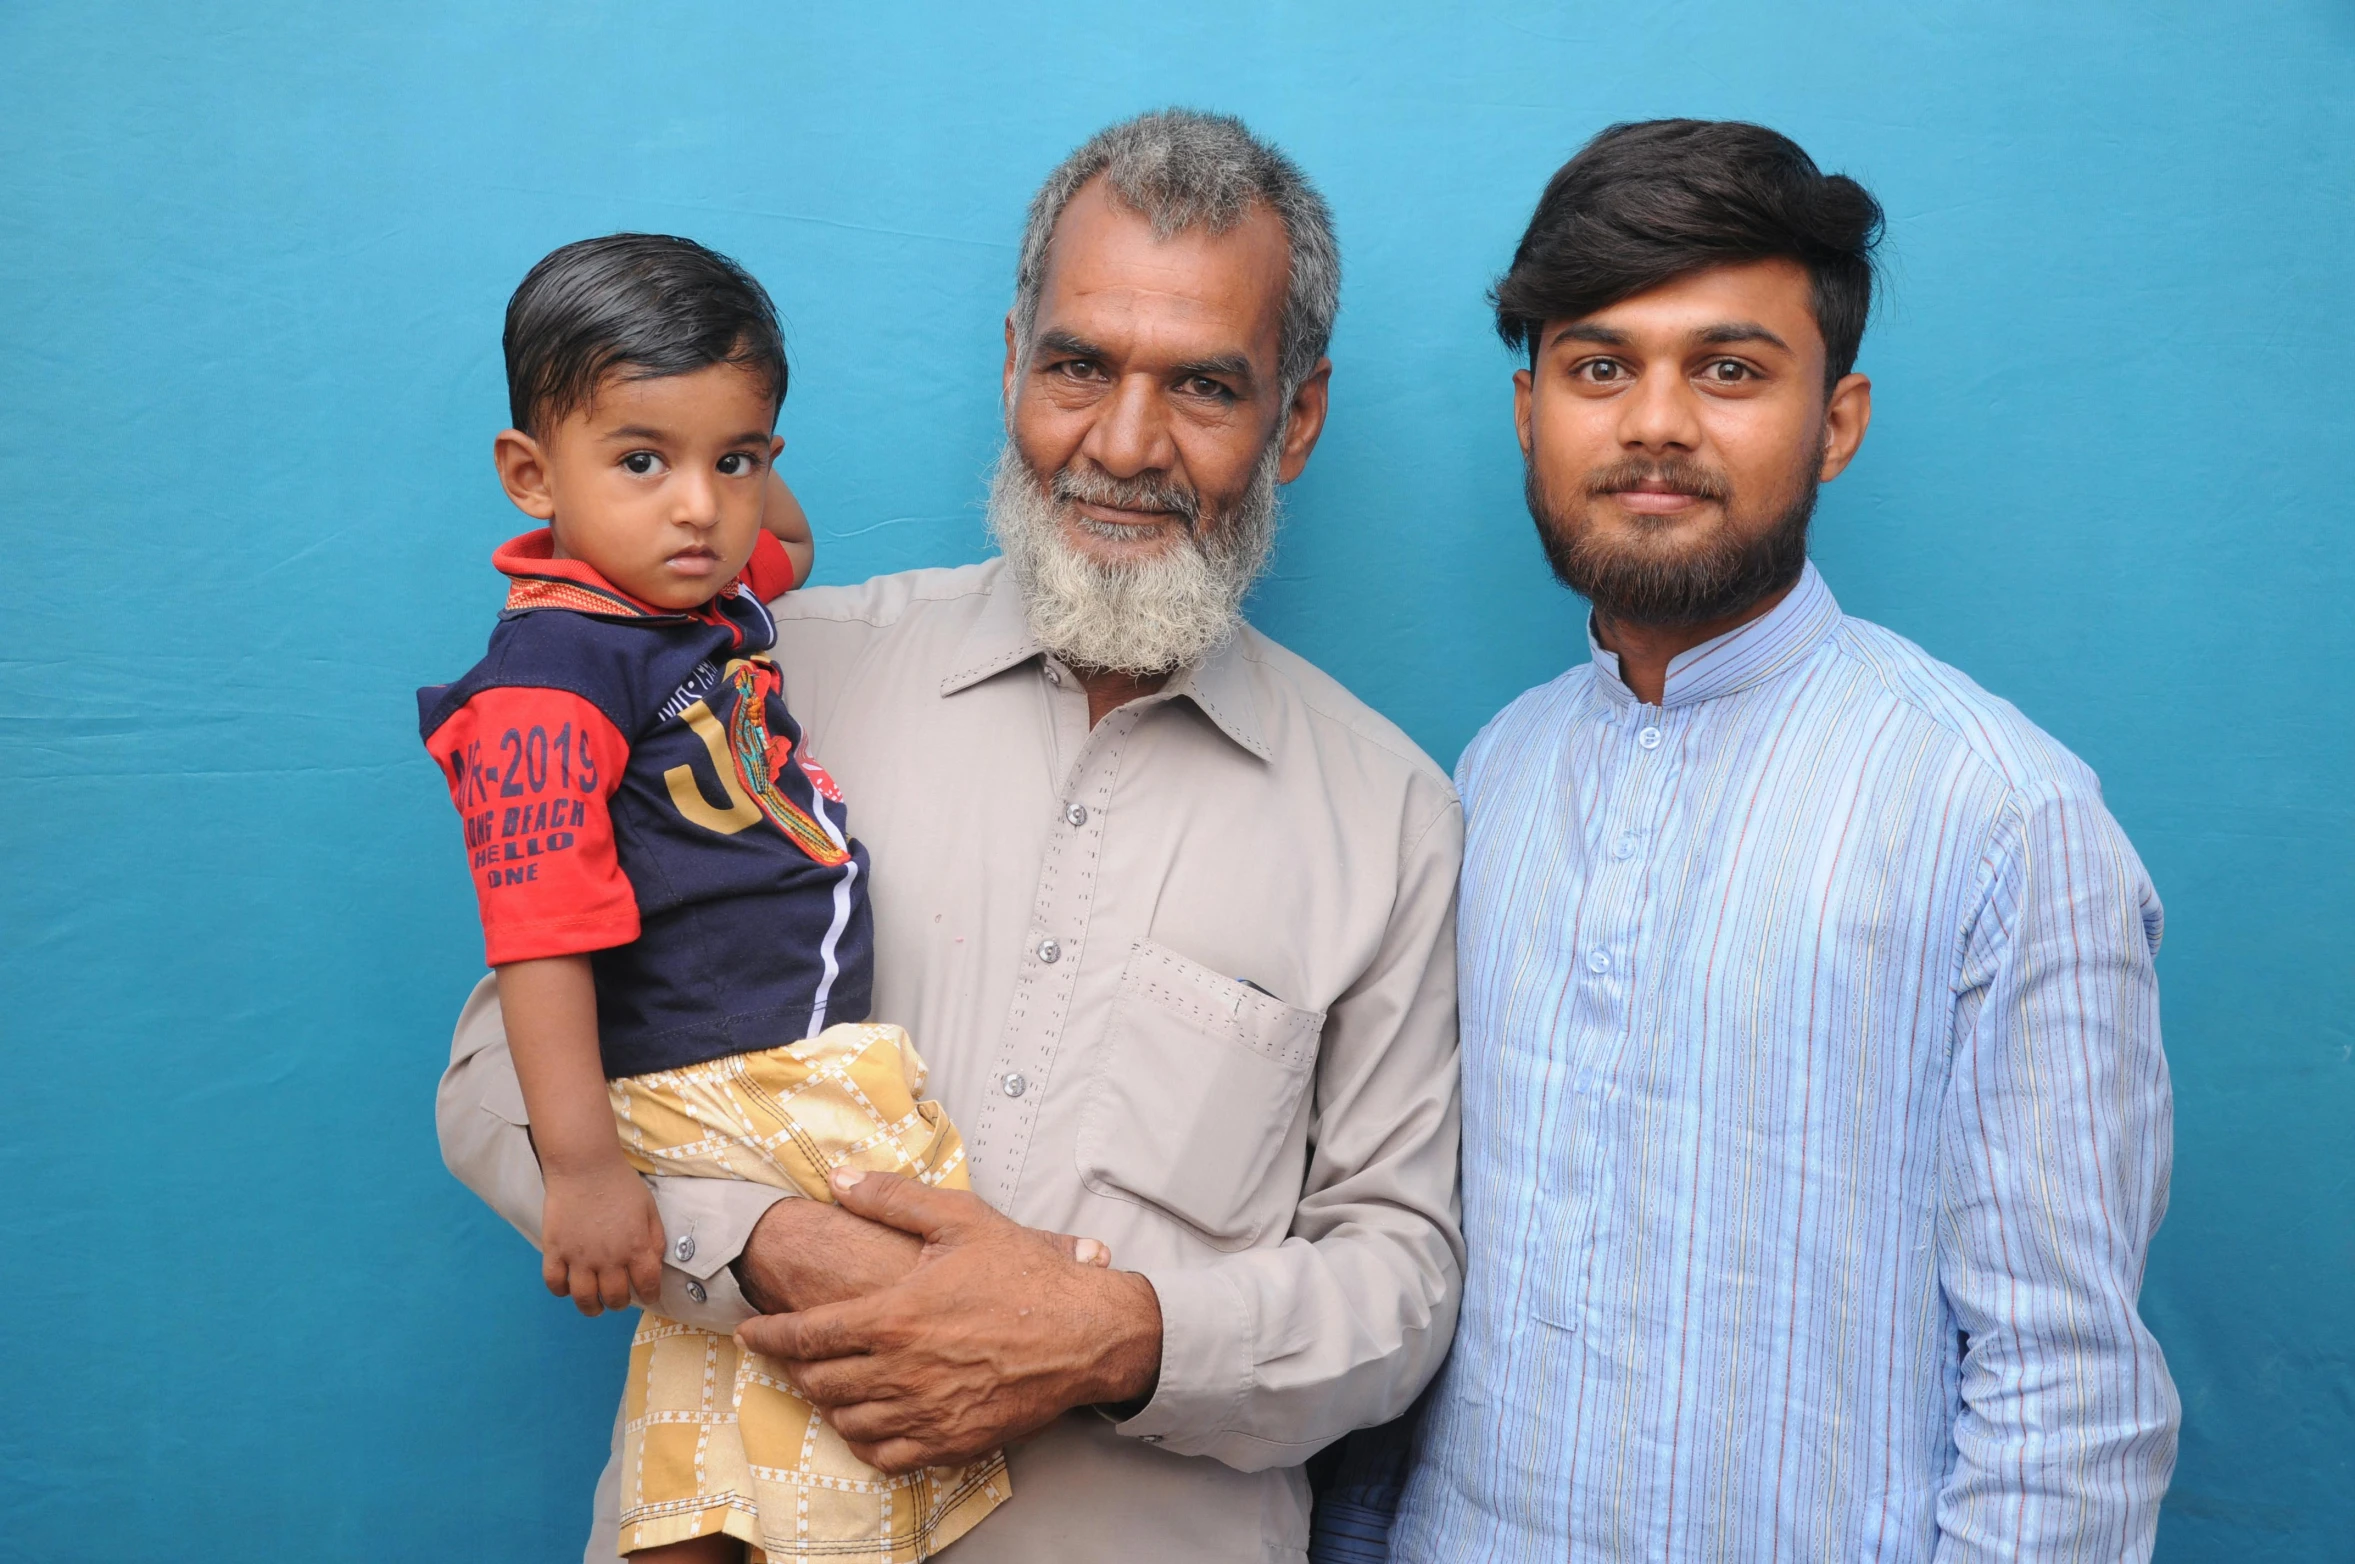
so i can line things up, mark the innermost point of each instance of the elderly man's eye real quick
(641, 463)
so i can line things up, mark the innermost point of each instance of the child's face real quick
(656, 484)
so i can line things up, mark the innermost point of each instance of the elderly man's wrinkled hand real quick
(998, 1331)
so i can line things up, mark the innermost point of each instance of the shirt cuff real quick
(706, 1223)
(1206, 1341)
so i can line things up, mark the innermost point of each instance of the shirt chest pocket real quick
(1195, 1103)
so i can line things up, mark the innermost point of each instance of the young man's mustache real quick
(1675, 475)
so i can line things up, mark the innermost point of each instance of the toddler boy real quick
(669, 890)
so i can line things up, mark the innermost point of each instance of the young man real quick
(1816, 1123)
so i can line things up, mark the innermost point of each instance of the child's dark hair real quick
(645, 305)
(1643, 204)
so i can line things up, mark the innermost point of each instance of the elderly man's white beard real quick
(1151, 616)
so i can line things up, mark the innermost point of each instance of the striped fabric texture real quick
(1815, 1125)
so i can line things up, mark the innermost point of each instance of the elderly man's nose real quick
(1131, 432)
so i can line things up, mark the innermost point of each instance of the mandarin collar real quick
(1000, 639)
(1743, 656)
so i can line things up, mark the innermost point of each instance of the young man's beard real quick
(1145, 616)
(1714, 578)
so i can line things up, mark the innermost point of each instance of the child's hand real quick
(600, 1238)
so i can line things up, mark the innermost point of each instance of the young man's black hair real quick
(645, 305)
(1645, 203)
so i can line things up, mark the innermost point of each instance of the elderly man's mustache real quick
(1145, 492)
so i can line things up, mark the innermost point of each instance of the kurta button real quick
(1626, 847)
(1077, 814)
(696, 1292)
(1049, 952)
(1649, 738)
(1015, 1085)
(684, 1248)
(1598, 961)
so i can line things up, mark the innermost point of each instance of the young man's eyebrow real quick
(1590, 331)
(1739, 331)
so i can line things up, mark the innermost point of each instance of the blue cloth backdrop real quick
(253, 257)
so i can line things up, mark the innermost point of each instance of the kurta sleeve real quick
(2054, 1151)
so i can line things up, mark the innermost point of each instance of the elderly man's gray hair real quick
(1180, 168)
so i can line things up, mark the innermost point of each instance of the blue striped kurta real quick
(1815, 1125)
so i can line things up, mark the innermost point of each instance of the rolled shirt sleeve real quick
(486, 1142)
(1269, 1355)
(2055, 1149)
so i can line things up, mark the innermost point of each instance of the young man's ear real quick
(523, 473)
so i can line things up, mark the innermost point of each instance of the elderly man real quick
(1168, 911)
(1816, 1119)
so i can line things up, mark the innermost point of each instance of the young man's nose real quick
(1660, 414)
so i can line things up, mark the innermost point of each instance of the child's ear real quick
(523, 473)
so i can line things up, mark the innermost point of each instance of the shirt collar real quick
(1000, 638)
(1743, 656)
(536, 578)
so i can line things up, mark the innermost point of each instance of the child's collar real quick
(536, 578)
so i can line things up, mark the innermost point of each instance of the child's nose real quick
(697, 500)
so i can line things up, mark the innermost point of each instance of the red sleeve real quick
(532, 772)
(768, 575)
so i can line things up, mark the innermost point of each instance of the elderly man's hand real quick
(997, 1332)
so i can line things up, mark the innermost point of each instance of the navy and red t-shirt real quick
(634, 788)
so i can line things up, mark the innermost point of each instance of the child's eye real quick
(641, 463)
(737, 464)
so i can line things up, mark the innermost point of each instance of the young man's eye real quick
(1602, 371)
(1727, 372)
(641, 463)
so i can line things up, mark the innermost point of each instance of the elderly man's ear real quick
(1305, 421)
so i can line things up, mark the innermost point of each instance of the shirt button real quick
(1649, 738)
(1049, 952)
(1077, 814)
(696, 1292)
(1054, 674)
(1149, 1439)
(684, 1248)
(1014, 1085)
(1626, 847)
(1598, 961)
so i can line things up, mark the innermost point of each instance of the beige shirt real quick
(1186, 982)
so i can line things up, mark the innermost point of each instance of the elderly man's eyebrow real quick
(1064, 342)
(1221, 366)
(1732, 331)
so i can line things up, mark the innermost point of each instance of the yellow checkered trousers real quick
(714, 1440)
